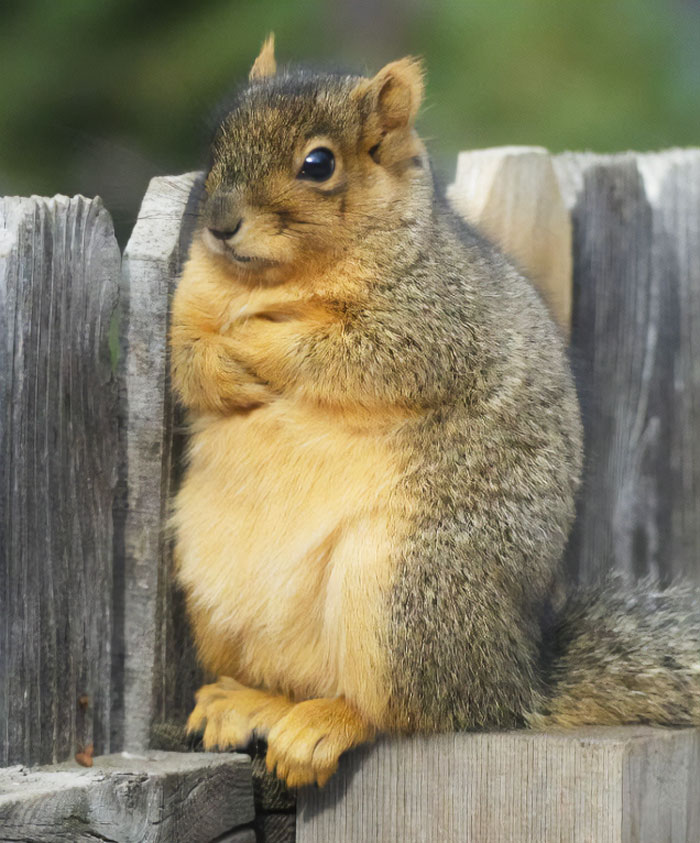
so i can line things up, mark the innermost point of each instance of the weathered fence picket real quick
(513, 195)
(636, 349)
(59, 282)
(94, 645)
(160, 672)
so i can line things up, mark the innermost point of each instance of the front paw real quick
(225, 726)
(233, 396)
(224, 397)
(305, 746)
(208, 377)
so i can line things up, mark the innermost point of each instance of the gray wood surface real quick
(243, 835)
(159, 668)
(632, 785)
(636, 348)
(512, 194)
(159, 798)
(276, 828)
(59, 283)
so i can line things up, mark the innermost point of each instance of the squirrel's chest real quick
(285, 523)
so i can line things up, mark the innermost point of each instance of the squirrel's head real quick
(306, 165)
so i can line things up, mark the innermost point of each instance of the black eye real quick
(318, 165)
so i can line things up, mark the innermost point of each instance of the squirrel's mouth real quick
(227, 251)
(248, 260)
(240, 258)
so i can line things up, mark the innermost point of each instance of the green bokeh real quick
(98, 95)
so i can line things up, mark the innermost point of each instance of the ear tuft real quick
(397, 92)
(265, 64)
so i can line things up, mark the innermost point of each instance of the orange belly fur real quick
(285, 525)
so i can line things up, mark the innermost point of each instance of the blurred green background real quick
(96, 96)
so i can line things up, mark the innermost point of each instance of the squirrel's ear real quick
(396, 92)
(265, 64)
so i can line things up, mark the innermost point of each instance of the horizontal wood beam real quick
(159, 797)
(601, 785)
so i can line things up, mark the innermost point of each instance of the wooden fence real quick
(94, 646)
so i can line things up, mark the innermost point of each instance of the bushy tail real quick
(623, 654)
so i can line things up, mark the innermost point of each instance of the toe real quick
(300, 777)
(226, 728)
(325, 773)
(196, 720)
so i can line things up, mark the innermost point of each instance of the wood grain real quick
(244, 835)
(159, 798)
(512, 194)
(276, 828)
(634, 785)
(59, 284)
(636, 351)
(159, 667)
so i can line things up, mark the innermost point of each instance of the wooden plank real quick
(159, 798)
(673, 185)
(632, 785)
(159, 668)
(636, 350)
(59, 285)
(276, 828)
(512, 194)
(661, 789)
(244, 835)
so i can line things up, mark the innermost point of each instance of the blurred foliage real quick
(98, 95)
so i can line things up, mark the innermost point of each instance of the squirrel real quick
(385, 448)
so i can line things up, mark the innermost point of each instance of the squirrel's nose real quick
(225, 234)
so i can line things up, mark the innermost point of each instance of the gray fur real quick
(493, 469)
(622, 653)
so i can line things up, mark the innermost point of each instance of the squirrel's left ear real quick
(395, 92)
(265, 64)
